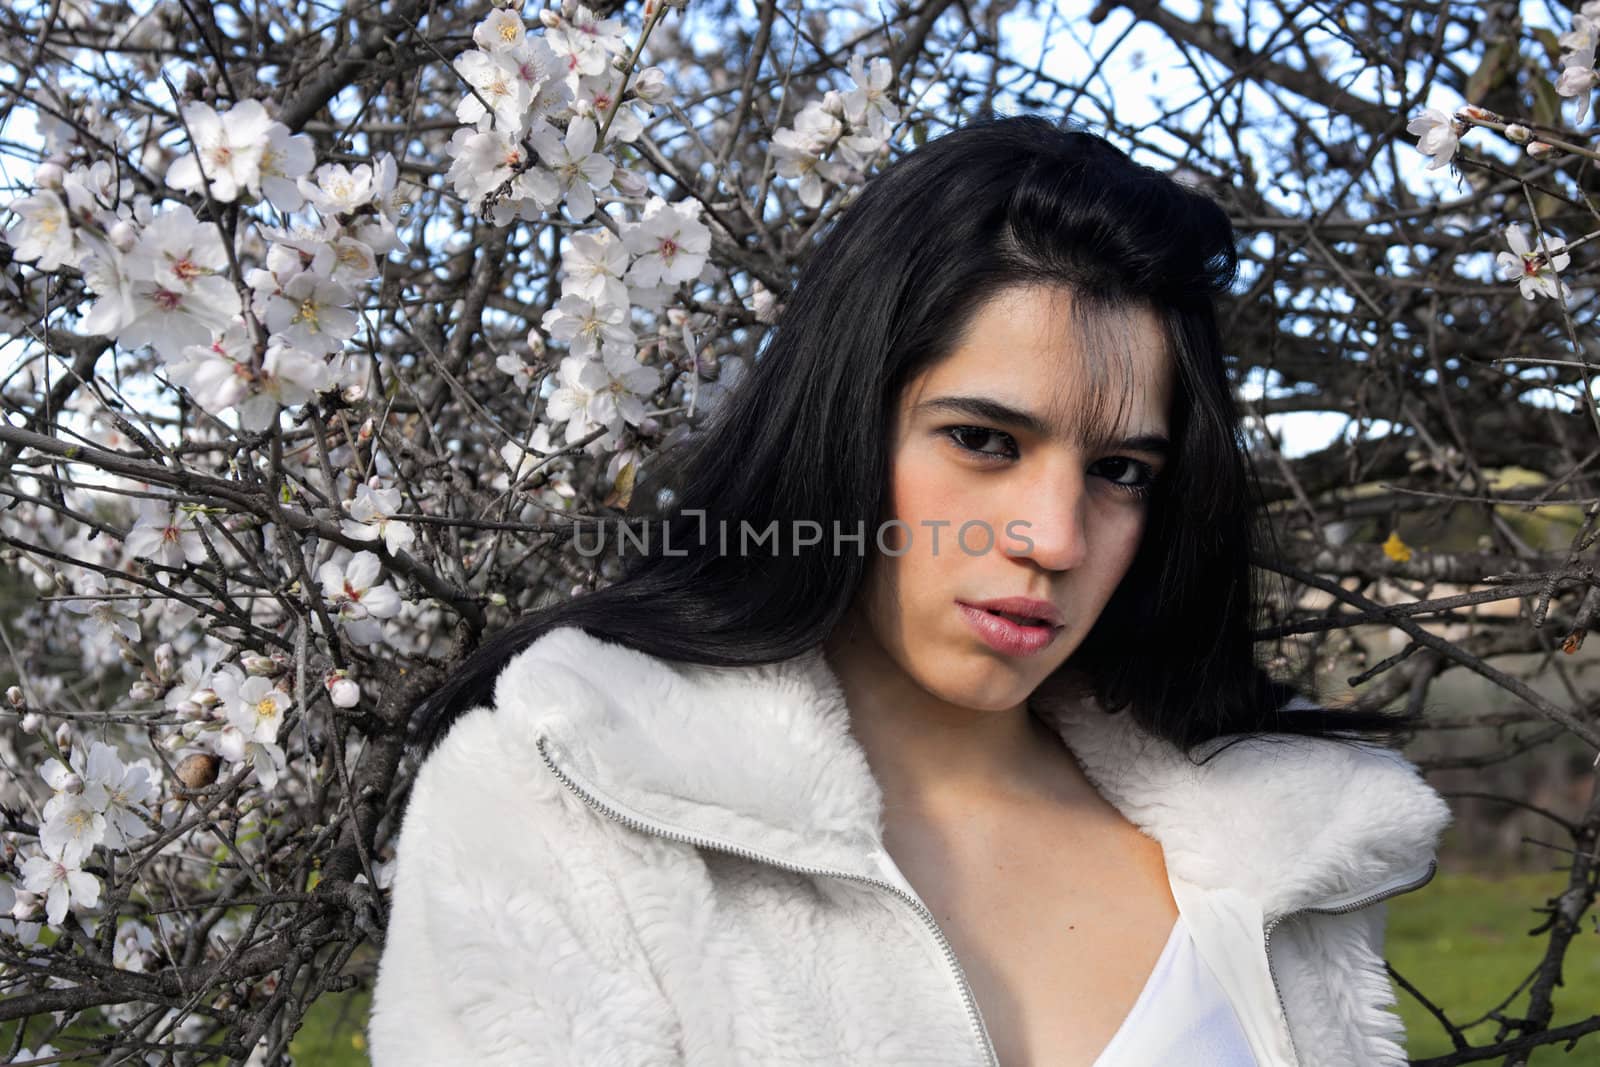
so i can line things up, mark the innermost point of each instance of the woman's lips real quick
(1007, 637)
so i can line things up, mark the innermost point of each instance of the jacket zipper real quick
(1372, 898)
(588, 795)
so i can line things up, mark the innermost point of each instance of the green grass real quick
(334, 1034)
(1463, 941)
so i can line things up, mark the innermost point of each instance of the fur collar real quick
(761, 759)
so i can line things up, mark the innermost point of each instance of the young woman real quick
(971, 765)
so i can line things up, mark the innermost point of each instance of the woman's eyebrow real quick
(990, 410)
(982, 407)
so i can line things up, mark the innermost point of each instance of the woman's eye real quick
(976, 439)
(1124, 472)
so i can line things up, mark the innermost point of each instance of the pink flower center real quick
(166, 299)
(668, 249)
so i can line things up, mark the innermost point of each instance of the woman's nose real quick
(1055, 520)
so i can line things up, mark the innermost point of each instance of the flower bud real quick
(833, 102)
(49, 176)
(28, 907)
(142, 692)
(191, 730)
(197, 770)
(765, 304)
(536, 344)
(628, 183)
(1517, 133)
(165, 659)
(32, 722)
(72, 784)
(353, 394)
(551, 19)
(123, 235)
(498, 599)
(1539, 149)
(259, 666)
(174, 741)
(64, 737)
(1474, 112)
(649, 84)
(15, 697)
(206, 698)
(343, 691)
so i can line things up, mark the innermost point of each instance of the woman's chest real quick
(1057, 925)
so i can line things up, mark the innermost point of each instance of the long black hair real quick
(803, 436)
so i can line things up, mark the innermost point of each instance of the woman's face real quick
(1012, 427)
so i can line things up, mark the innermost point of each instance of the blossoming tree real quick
(320, 323)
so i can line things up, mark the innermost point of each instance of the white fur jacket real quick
(628, 861)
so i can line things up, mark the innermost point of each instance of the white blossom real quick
(371, 517)
(73, 816)
(597, 97)
(586, 42)
(801, 152)
(588, 327)
(497, 89)
(180, 295)
(578, 168)
(59, 877)
(1536, 275)
(580, 379)
(134, 947)
(628, 383)
(229, 146)
(285, 159)
(1579, 81)
(522, 372)
(289, 377)
(105, 273)
(108, 616)
(870, 103)
(339, 189)
(165, 532)
(502, 30)
(311, 313)
(352, 589)
(1437, 136)
(254, 710)
(594, 266)
(670, 243)
(483, 161)
(42, 233)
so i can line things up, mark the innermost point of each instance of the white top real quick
(1181, 1016)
